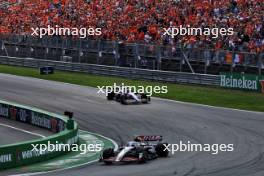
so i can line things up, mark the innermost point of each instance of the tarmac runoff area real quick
(13, 132)
(174, 120)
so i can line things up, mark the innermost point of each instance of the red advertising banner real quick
(262, 85)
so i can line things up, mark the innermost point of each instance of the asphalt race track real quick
(13, 132)
(175, 121)
(9, 135)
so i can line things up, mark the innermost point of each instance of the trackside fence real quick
(132, 73)
(177, 57)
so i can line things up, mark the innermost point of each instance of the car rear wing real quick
(148, 138)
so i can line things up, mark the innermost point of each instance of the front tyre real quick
(110, 96)
(123, 100)
(143, 157)
(161, 150)
(108, 153)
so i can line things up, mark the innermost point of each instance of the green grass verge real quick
(187, 93)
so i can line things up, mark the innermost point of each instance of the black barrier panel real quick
(20, 114)
(4, 111)
(41, 120)
(60, 125)
(57, 125)
(46, 70)
(34, 118)
(45, 121)
(54, 125)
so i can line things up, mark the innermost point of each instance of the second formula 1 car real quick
(141, 150)
(128, 97)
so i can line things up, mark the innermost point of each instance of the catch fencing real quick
(136, 55)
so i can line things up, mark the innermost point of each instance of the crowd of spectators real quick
(145, 20)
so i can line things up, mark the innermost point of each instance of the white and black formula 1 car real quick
(141, 150)
(127, 97)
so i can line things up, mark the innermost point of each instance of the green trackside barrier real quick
(247, 82)
(21, 154)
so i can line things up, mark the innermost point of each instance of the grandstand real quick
(3, 4)
(139, 25)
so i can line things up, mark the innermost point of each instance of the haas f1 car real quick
(126, 98)
(141, 150)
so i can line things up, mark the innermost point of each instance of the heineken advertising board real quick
(242, 81)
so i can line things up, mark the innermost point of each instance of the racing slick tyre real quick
(146, 98)
(160, 150)
(143, 158)
(110, 96)
(107, 153)
(123, 100)
(149, 99)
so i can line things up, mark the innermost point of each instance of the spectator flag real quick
(238, 58)
(207, 62)
(183, 61)
(234, 64)
(100, 54)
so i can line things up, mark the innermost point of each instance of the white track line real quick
(208, 106)
(114, 142)
(24, 131)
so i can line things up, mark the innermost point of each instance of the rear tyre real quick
(160, 150)
(149, 99)
(123, 100)
(145, 98)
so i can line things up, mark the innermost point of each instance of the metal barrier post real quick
(99, 52)
(137, 56)
(260, 55)
(116, 53)
(79, 51)
(158, 57)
